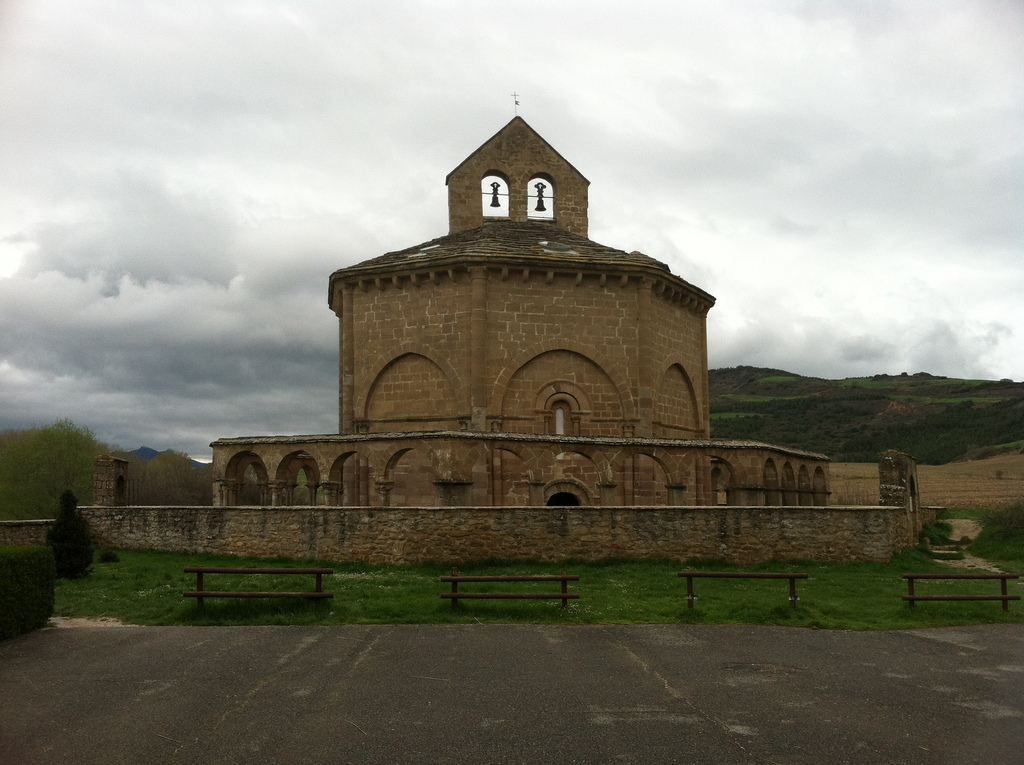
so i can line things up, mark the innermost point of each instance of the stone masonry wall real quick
(414, 345)
(414, 392)
(24, 532)
(742, 535)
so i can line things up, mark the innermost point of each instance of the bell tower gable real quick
(516, 175)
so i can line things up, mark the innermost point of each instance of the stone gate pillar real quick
(897, 487)
(109, 481)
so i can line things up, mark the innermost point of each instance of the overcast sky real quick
(178, 180)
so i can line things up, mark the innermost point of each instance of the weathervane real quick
(515, 98)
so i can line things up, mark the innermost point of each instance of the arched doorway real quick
(563, 499)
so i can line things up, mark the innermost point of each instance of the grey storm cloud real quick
(140, 230)
(179, 183)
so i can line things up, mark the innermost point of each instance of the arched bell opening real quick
(540, 198)
(494, 195)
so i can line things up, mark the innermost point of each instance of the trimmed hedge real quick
(27, 576)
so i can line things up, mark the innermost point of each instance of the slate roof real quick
(521, 240)
(497, 438)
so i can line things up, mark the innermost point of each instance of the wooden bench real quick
(200, 592)
(1006, 598)
(455, 596)
(792, 576)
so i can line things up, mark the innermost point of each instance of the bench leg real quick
(910, 592)
(792, 591)
(455, 589)
(199, 588)
(690, 597)
(1006, 602)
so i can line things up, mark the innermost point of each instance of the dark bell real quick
(494, 194)
(540, 197)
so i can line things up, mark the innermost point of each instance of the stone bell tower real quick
(517, 176)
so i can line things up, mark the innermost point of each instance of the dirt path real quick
(81, 621)
(972, 562)
(964, 527)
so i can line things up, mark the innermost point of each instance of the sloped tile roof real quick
(503, 239)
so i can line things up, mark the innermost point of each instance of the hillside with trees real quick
(39, 464)
(935, 419)
(167, 478)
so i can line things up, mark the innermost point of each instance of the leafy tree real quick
(70, 539)
(37, 465)
(171, 478)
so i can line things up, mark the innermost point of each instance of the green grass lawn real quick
(1004, 548)
(145, 587)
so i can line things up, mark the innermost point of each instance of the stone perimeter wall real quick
(741, 535)
(24, 532)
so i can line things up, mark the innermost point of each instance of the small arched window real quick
(560, 420)
(540, 196)
(494, 196)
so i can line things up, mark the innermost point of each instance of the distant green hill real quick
(145, 454)
(935, 419)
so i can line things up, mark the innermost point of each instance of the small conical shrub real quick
(69, 537)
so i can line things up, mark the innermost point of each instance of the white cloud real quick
(180, 182)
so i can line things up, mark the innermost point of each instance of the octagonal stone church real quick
(517, 362)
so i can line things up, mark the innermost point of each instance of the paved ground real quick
(512, 694)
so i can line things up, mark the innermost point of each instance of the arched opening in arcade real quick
(412, 479)
(250, 491)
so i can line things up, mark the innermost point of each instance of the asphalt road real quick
(512, 694)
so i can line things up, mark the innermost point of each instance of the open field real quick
(993, 482)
